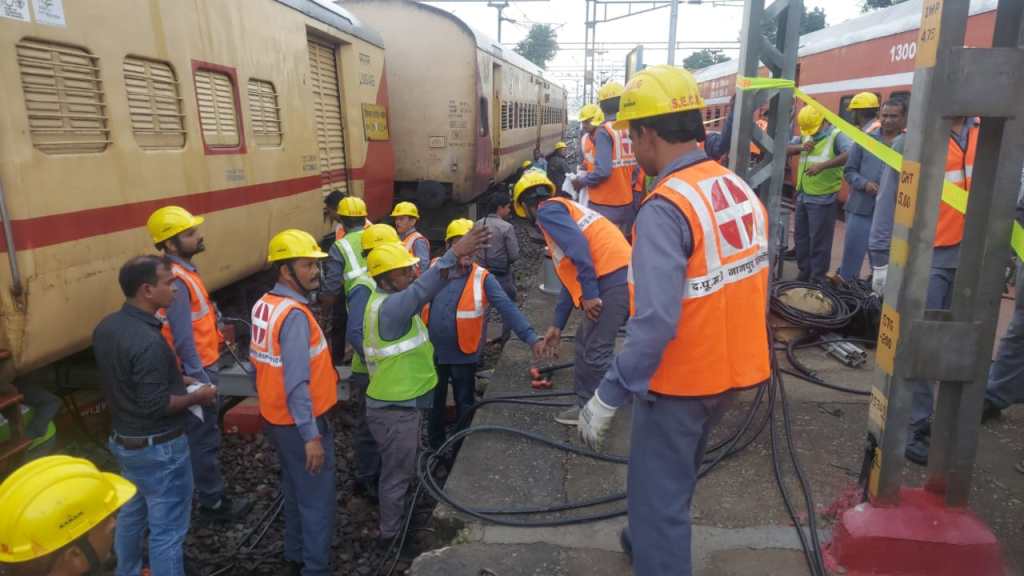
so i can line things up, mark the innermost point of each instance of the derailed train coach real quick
(466, 112)
(244, 111)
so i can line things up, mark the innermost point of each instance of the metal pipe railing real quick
(9, 240)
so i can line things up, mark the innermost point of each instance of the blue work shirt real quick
(443, 331)
(420, 249)
(294, 344)
(334, 267)
(399, 308)
(179, 316)
(842, 144)
(716, 144)
(862, 167)
(554, 219)
(661, 253)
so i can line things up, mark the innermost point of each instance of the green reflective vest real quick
(827, 181)
(351, 247)
(401, 369)
(358, 366)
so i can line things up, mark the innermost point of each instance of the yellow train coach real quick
(466, 111)
(246, 111)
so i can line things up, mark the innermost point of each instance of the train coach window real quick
(504, 116)
(484, 118)
(264, 113)
(154, 104)
(63, 97)
(217, 97)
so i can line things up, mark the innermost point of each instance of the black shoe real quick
(293, 568)
(228, 510)
(917, 448)
(990, 411)
(627, 543)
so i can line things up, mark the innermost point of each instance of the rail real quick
(12, 254)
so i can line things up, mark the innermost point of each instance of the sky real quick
(712, 24)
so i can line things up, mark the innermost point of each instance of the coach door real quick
(328, 125)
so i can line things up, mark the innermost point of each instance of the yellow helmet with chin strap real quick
(388, 257)
(458, 227)
(376, 234)
(530, 180)
(352, 207)
(293, 243)
(657, 91)
(170, 221)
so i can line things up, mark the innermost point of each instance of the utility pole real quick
(501, 18)
(673, 21)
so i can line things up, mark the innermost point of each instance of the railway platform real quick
(740, 524)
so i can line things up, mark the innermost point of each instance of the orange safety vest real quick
(268, 316)
(640, 184)
(721, 340)
(587, 144)
(339, 233)
(205, 333)
(471, 311)
(609, 249)
(408, 243)
(617, 189)
(959, 171)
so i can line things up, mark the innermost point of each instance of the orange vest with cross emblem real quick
(721, 340)
(268, 316)
(471, 311)
(205, 333)
(959, 170)
(617, 189)
(608, 247)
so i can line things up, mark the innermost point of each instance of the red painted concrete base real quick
(244, 418)
(919, 537)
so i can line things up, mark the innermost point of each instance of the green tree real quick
(704, 58)
(540, 45)
(869, 5)
(809, 22)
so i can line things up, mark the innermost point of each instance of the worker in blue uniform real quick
(456, 319)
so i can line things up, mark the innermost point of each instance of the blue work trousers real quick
(1006, 376)
(367, 455)
(595, 342)
(855, 245)
(463, 380)
(163, 504)
(669, 438)
(939, 297)
(204, 446)
(814, 229)
(310, 500)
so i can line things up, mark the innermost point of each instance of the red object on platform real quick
(920, 536)
(244, 418)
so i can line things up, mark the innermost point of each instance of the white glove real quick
(595, 420)
(196, 411)
(878, 274)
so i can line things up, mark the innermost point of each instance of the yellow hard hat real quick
(458, 227)
(170, 221)
(589, 112)
(863, 100)
(560, 145)
(657, 91)
(353, 207)
(293, 243)
(405, 209)
(526, 164)
(387, 257)
(809, 120)
(530, 180)
(376, 234)
(51, 501)
(610, 90)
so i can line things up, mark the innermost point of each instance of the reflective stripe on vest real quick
(469, 317)
(355, 265)
(409, 241)
(617, 189)
(268, 317)
(721, 340)
(205, 333)
(827, 181)
(609, 250)
(401, 369)
(358, 365)
(959, 171)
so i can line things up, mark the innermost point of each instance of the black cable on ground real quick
(843, 307)
(805, 373)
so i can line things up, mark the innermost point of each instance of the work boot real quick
(569, 416)
(990, 411)
(626, 542)
(917, 448)
(227, 510)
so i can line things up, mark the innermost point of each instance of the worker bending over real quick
(190, 328)
(401, 363)
(457, 317)
(406, 214)
(823, 152)
(610, 180)
(59, 517)
(591, 258)
(700, 273)
(297, 386)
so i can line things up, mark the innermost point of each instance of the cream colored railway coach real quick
(465, 111)
(245, 111)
